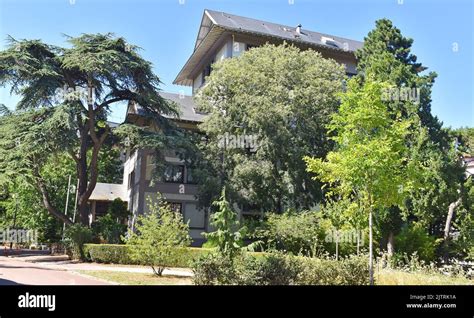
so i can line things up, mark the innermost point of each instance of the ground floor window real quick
(176, 207)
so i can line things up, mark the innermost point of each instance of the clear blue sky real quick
(167, 29)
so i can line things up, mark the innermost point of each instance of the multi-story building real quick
(220, 36)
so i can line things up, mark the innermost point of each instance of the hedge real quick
(280, 269)
(119, 254)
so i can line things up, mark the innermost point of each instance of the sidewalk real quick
(14, 271)
(61, 262)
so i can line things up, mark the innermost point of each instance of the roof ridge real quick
(277, 24)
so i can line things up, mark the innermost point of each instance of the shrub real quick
(158, 237)
(297, 233)
(214, 269)
(121, 254)
(227, 237)
(118, 210)
(107, 229)
(75, 237)
(352, 270)
(414, 239)
(272, 269)
(280, 269)
(246, 269)
(109, 253)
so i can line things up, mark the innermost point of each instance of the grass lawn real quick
(397, 277)
(125, 278)
(383, 277)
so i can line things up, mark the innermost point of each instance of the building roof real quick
(238, 23)
(469, 164)
(186, 108)
(215, 23)
(108, 192)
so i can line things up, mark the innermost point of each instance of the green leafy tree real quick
(159, 236)
(118, 210)
(75, 237)
(282, 98)
(66, 94)
(298, 233)
(227, 236)
(386, 55)
(369, 162)
(22, 202)
(112, 226)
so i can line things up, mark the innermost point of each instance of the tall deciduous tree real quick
(386, 55)
(282, 99)
(369, 162)
(66, 94)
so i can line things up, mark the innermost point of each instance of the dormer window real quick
(206, 72)
(329, 41)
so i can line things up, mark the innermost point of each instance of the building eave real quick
(205, 44)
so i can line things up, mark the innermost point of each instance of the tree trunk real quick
(390, 245)
(358, 242)
(84, 170)
(81, 166)
(46, 200)
(449, 218)
(371, 251)
(337, 245)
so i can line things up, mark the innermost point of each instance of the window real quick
(131, 179)
(195, 216)
(174, 173)
(206, 72)
(150, 166)
(249, 46)
(176, 207)
(189, 176)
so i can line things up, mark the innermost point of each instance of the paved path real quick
(14, 272)
(61, 262)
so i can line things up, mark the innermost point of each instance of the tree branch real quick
(46, 201)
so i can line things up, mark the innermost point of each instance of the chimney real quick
(298, 30)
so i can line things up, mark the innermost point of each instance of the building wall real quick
(146, 190)
(233, 45)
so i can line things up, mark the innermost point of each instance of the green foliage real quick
(66, 95)
(118, 210)
(386, 56)
(279, 269)
(214, 269)
(271, 269)
(109, 254)
(108, 230)
(369, 163)
(75, 237)
(111, 227)
(122, 254)
(296, 233)
(24, 199)
(158, 236)
(352, 270)
(227, 236)
(281, 96)
(415, 239)
(465, 137)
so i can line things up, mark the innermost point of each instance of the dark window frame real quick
(166, 180)
(174, 203)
